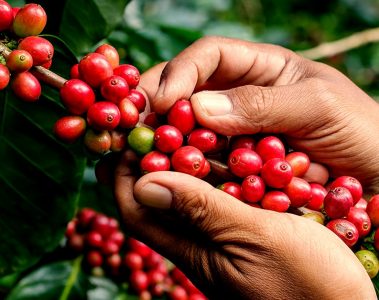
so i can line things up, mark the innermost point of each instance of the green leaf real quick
(65, 280)
(40, 177)
(87, 22)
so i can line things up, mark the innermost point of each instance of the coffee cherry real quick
(26, 86)
(77, 96)
(71, 228)
(94, 68)
(139, 247)
(352, 184)
(30, 20)
(373, 210)
(97, 142)
(39, 48)
(94, 239)
(94, 258)
(109, 247)
(188, 159)
(130, 73)
(4, 77)
(117, 237)
(167, 138)
(85, 216)
(129, 115)
(114, 261)
(154, 161)
(243, 162)
(231, 188)
(362, 204)
(376, 239)
(242, 141)
(299, 162)
(6, 16)
(69, 128)
(315, 216)
(205, 170)
(276, 201)
(118, 140)
(110, 54)
(153, 120)
(178, 293)
(253, 188)
(141, 140)
(19, 61)
(76, 242)
(138, 281)
(360, 219)
(181, 116)
(100, 224)
(299, 191)
(270, 147)
(103, 115)
(338, 202)
(276, 173)
(114, 88)
(203, 139)
(369, 261)
(318, 194)
(344, 230)
(74, 72)
(133, 261)
(138, 99)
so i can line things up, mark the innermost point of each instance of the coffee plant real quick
(69, 106)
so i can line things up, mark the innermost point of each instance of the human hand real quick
(229, 249)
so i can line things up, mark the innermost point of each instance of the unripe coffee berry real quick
(19, 61)
(141, 140)
(97, 142)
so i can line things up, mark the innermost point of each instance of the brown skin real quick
(231, 250)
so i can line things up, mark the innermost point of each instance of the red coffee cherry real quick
(318, 195)
(130, 73)
(129, 115)
(138, 99)
(109, 247)
(94, 258)
(154, 120)
(97, 142)
(103, 115)
(352, 184)
(39, 48)
(77, 96)
(139, 247)
(338, 202)
(26, 86)
(74, 72)
(138, 281)
(154, 161)
(242, 141)
(276, 173)
(205, 170)
(177, 293)
(253, 188)
(181, 116)
(203, 139)
(133, 261)
(299, 191)
(188, 159)
(4, 77)
(85, 216)
(6, 16)
(94, 239)
(114, 88)
(94, 68)
(30, 20)
(243, 162)
(362, 203)
(110, 54)
(167, 138)
(299, 162)
(19, 61)
(69, 128)
(270, 147)
(232, 188)
(118, 140)
(117, 237)
(376, 239)
(373, 210)
(345, 230)
(360, 219)
(276, 201)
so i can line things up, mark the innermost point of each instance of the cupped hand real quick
(231, 250)
(238, 87)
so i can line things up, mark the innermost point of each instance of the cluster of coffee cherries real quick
(19, 29)
(108, 252)
(102, 101)
(262, 171)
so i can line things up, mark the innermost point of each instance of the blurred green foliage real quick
(154, 31)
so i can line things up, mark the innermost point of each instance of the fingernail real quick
(155, 195)
(214, 104)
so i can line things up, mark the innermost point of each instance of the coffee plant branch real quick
(339, 46)
(41, 73)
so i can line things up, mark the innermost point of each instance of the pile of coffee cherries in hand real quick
(19, 30)
(108, 252)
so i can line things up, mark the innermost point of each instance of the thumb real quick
(251, 109)
(204, 206)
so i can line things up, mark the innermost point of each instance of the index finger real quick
(222, 63)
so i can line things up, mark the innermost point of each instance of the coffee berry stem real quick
(40, 72)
